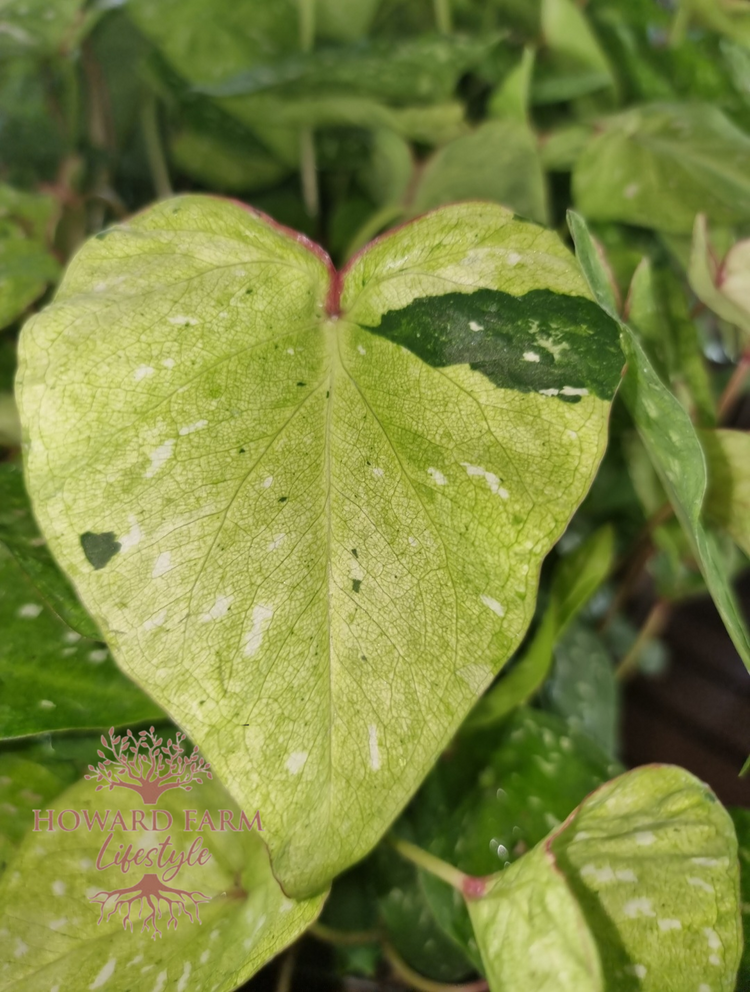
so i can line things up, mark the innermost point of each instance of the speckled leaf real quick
(652, 860)
(728, 497)
(51, 936)
(494, 796)
(531, 932)
(20, 535)
(308, 510)
(51, 677)
(25, 784)
(741, 820)
(582, 687)
(659, 165)
(672, 443)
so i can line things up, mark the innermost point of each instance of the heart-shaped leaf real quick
(231, 916)
(308, 509)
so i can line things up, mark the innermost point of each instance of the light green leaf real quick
(499, 161)
(576, 579)
(309, 510)
(723, 287)
(20, 535)
(671, 442)
(51, 930)
(224, 165)
(511, 99)
(577, 65)
(659, 165)
(741, 819)
(561, 148)
(652, 860)
(342, 20)
(389, 173)
(25, 785)
(53, 679)
(531, 932)
(10, 425)
(728, 497)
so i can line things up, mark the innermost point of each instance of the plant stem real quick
(306, 9)
(435, 866)
(422, 984)
(655, 623)
(734, 386)
(443, 17)
(344, 938)
(309, 172)
(286, 971)
(154, 151)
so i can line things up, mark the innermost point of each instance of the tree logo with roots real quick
(150, 893)
(146, 765)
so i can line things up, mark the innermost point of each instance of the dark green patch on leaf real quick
(99, 548)
(543, 342)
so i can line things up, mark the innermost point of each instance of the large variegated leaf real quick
(309, 509)
(54, 937)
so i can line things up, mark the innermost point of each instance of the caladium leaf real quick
(20, 535)
(52, 678)
(644, 872)
(728, 496)
(309, 509)
(671, 441)
(531, 932)
(52, 934)
(659, 165)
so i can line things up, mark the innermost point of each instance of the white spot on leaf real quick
(46, 704)
(475, 326)
(296, 762)
(157, 620)
(489, 477)
(530, 356)
(644, 838)
(162, 564)
(361, 350)
(132, 538)
(437, 477)
(182, 321)
(668, 924)
(191, 428)
(698, 883)
(97, 656)
(638, 907)
(372, 732)
(159, 457)
(218, 610)
(267, 482)
(142, 372)
(58, 888)
(262, 616)
(29, 611)
(105, 974)
(493, 604)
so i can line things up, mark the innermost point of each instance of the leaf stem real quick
(154, 151)
(654, 625)
(422, 984)
(309, 168)
(443, 17)
(286, 971)
(435, 866)
(734, 386)
(344, 938)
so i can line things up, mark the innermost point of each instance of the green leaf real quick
(671, 442)
(26, 266)
(499, 161)
(20, 535)
(315, 573)
(413, 71)
(52, 678)
(728, 496)
(51, 929)
(582, 688)
(652, 860)
(659, 165)
(577, 64)
(25, 785)
(389, 173)
(576, 579)
(38, 26)
(723, 287)
(511, 100)
(341, 20)
(531, 932)
(224, 165)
